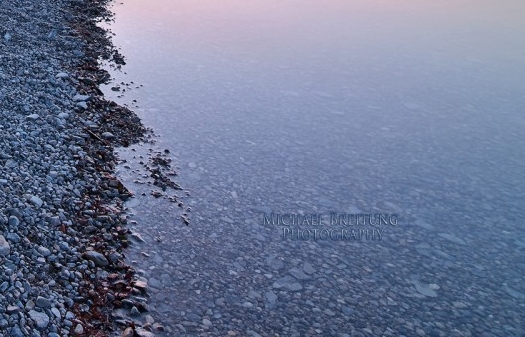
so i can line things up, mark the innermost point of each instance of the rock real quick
(424, 289)
(299, 274)
(13, 237)
(143, 333)
(40, 318)
(108, 135)
(16, 332)
(44, 251)
(36, 201)
(13, 221)
(5, 249)
(99, 259)
(308, 268)
(271, 299)
(159, 327)
(127, 333)
(33, 117)
(287, 283)
(82, 105)
(11, 309)
(81, 98)
(79, 329)
(452, 238)
(43, 302)
(62, 75)
(141, 285)
(274, 263)
(30, 305)
(134, 311)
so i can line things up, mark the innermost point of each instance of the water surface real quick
(309, 107)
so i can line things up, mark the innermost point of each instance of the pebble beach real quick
(62, 231)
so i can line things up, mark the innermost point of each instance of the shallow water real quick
(314, 107)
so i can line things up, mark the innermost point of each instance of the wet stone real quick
(287, 283)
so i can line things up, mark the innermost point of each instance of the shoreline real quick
(61, 214)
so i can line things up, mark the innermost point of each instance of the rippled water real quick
(312, 107)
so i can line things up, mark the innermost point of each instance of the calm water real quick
(309, 107)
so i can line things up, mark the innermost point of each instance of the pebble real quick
(5, 249)
(287, 283)
(40, 318)
(97, 258)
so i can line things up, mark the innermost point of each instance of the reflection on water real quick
(309, 107)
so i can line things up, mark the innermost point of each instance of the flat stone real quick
(108, 135)
(287, 283)
(271, 298)
(82, 105)
(62, 75)
(43, 302)
(11, 309)
(141, 285)
(36, 201)
(308, 268)
(424, 289)
(13, 237)
(143, 333)
(452, 238)
(33, 117)
(99, 259)
(44, 251)
(299, 274)
(274, 263)
(81, 98)
(5, 249)
(40, 318)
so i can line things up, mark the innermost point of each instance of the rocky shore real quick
(61, 226)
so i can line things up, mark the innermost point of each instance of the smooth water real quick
(312, 107)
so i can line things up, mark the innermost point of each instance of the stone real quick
(13, 237)
(143, 333)
(287, 283)
(36, 201)
(299, 274)
(108, 135)
(13, 221)
(134, 311)
(82, 105)
(308, 268)
(128, 332)
(274, 263)
(62, 75)
(40, 318)
(33, 117)
(43, 302)
(44, 251)
(97, 258)
(81, 98)
(12, 309)
(5, 249)
(452, 238)
(79, 329)
(141, 285)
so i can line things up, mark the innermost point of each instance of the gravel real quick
(61, 231)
